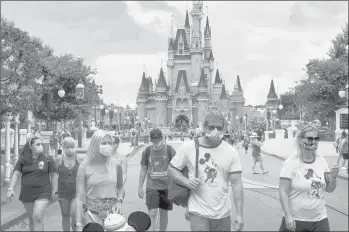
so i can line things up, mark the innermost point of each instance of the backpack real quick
(179, 194)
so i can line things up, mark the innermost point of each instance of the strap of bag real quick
(197, 157)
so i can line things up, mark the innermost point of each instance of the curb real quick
(283, 158)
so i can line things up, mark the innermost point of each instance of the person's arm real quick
(285, 188)
(235, 171)
(120, 191)
(178, 162)
(124, 169)
(54, 176)
(80, 195)
(17, 173)
(330, 177)
(144, 170)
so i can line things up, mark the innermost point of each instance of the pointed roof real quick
(272, 94)
(218, 79)
(182, 74)
(207, 28)
(170, 45)
(238, 84)
(202, 82)
(186, 24)
(211, 56)
(180, 32)
(223, 93)
(144, 84)
(161, 81)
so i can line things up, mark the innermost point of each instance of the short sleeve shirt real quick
(307, 202)
(36, 174)
(211, 199)
(157, 163)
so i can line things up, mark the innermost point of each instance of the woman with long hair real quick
(67, 166)
(303, 179)
(39, 182)
(96, 179)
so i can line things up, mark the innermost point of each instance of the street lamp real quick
(61, 93)
(80, 94)
(281, 106)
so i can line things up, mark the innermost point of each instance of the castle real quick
(182, 99)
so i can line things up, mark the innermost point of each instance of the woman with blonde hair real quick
(96, 179)
(67, 166)
(303, 179)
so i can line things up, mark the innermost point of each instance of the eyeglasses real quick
(219, 128)
(311, 139)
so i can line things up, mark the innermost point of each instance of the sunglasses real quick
(219, 128)
(311, 139)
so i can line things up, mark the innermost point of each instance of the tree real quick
(20, 68)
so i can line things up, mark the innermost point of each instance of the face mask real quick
(214, 134)
(69, 152)
(106, 150)
(39, 150)
(309, 147)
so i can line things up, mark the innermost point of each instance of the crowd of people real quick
(197, 176)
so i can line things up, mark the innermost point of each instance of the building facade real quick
(192, 86)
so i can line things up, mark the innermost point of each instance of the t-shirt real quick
(307, 202)
(211, 199)
(157, 164)
(36, 174)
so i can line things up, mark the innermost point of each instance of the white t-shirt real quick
(307, 202)
(211, 199)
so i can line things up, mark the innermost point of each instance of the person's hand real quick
(10, 195)
(334, 171)
(290, 224)
(117, 208)
(238, 224)
(193, 183)
(79, 228)
(141, 193)
(187, 215)
(54, 196)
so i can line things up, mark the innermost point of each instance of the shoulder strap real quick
(169, 151)
(147, 152)
(197, 157)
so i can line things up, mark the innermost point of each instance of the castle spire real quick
(238, 84)
(202, 82)
(144, 84)
(223, 93)
(161, 81)
(170, 45)
(272, 94)
(218, 79)
(207, 29)
(186, 24)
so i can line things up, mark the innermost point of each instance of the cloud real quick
(257, 40)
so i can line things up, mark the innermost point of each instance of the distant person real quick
(343, 150)
(338, 145)
(304, 177)
(65, 134)
(256, 153)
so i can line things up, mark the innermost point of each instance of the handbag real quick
(178, 194)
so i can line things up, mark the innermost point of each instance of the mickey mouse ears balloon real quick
(139, 220)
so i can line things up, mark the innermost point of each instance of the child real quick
(246, 145)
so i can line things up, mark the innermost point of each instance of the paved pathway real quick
(261, 199)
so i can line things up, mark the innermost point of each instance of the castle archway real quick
(182, 123)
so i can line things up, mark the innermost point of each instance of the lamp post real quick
(80, 94)
(274, 118)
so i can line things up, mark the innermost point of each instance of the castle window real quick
(197, 45)
(180, 51)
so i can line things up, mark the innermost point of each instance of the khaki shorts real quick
(199, 223)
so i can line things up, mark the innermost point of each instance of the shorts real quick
(31, 194)
(199, 223)
(322, 225)
(345, 156)
(158, 199)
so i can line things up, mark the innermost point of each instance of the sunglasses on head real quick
(311, 139)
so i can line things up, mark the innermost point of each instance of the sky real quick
(258, 41)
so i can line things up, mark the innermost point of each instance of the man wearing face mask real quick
(209, 205)
(155, 161)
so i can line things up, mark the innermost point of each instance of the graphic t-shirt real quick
(307, 202)
(211, 199)
(157, 163)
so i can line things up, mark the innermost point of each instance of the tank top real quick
(67, 180)
(101, 185)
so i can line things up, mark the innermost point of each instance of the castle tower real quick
(142, 98)
(161, 99)
(196, 41)
(151, 87)
(271, 104)
(223, 101)
(170, 63)
(202, 98)
(207, 40)
(237, 102)
(187, 27)
(217, 88)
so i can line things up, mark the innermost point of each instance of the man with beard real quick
(209, 205)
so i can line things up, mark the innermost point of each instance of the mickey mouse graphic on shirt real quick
(210, 170)
(41, 165)
(316, 184)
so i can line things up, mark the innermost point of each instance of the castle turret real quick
(223, 101)
(187, 27)
(207, 40)
(170, 62)
(202, 97)
(237, 102)
(151, 87)
(142, 98)
(161, 100)
(217, 87)
(272, 98)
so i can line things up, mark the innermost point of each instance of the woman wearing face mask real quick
(303, 180)
(67, 166)
(39, 182)
(96, 179)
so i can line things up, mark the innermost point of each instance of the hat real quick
(155, 134)
(254, 135)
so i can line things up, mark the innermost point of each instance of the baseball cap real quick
(155, 135)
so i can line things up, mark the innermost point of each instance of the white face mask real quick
(214, 134)
(39, 149)
(106, 150)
